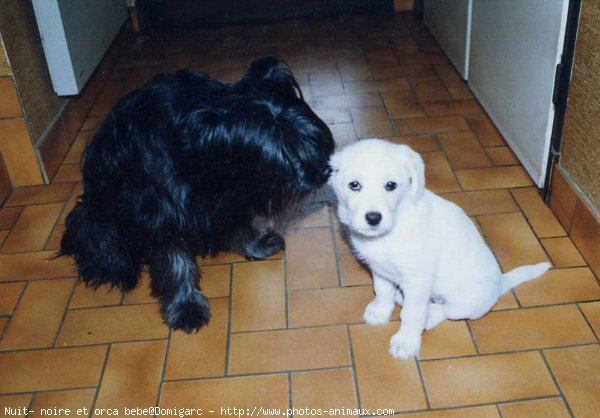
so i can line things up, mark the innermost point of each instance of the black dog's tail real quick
(96, 246)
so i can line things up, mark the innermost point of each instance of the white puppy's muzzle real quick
(371, 220)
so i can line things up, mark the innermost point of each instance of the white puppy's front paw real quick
(377, 313)
(404, 346)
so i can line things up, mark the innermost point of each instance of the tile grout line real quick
(23, 205)
(242, 261)
(320, 326)
(62, 211)
(116, 305)
(422, 380)
(339, 73)
(31, 402)
(216, 297)
(556, 383)
(10, 316)
(392, 120)
(487, 214)
(532, 230)
(355, 132)
(50, 235)
(39, 278)
(445, 154)
(513, 401)
(578, 304)
(9, 231)
(528, 221)
(67, 347)
(102, 370)
(353, 367)
(64, 315)
(446, 88)
(3, 330)
(290, 394)
(473, 339)
(336, 254)
(497, 353)
(476, 405)
(229, 314)
(569, 266)
(247, 375)
(285, 289)
(164, 370)
(484, 236)
(513, 291)
(416, 98)
(303, 328)
(19, 298)
(487, 188)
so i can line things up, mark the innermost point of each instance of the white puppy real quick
(424, 251)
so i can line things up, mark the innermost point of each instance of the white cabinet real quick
(515, 48)
(75, 35)
(450, 23)
(510, 61)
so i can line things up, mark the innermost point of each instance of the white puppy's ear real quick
(416, 170)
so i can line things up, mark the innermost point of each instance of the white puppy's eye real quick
(390, 185)
(354, 185)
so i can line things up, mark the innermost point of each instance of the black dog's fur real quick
(182, 167)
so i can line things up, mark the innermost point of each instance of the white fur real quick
(425, 253)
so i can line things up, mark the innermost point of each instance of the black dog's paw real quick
(189, 316)
(265, 246)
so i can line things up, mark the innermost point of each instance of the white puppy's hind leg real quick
(379, 310)
(435, 315)
(399, 297)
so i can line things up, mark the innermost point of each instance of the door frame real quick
(561, 91)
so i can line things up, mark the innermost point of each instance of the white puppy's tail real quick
(522, 274)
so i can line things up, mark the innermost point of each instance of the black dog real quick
(182, 167)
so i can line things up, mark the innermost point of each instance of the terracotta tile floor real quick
(288, 332)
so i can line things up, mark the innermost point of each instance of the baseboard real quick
(577, 215)
(55, 145)
(180, 14)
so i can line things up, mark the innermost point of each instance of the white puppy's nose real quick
(373, 218)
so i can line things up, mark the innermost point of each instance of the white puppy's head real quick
(371, 178)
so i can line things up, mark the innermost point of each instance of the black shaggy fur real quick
(182, 167)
